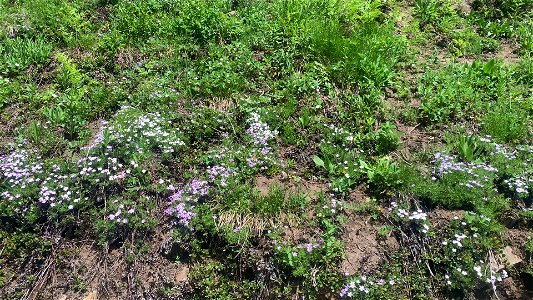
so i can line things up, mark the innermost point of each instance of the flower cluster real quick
(360, 286)
(182, 201)
(258, 156)
(499, 149)
(259, 131)
(331, 204)
(29, 178)
(102, 169)
(448, 164)
(343, 163)
(55, 190)
(261, 155)
(122, 214)
(20, 176)
(139, 132)
(220, 174)
(481, 271)
(505, 168)
(223, 166)
(57, 185)
(309, 246)
(519, 185)
(476, 175)
(340, 134)
(18, 169)
(465, 251)
(417, 216)
(306, 247)
(128, 212)
(261, 158)
(98, 138)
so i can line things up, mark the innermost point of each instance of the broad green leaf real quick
(319, 162)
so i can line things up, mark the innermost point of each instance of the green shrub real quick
(383, 175)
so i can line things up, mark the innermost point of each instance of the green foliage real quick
(525, 36)
(224, 71)
(277, 201)
(427, 10)
(386, 139)
(345, 35)
(207, 21)
(367, 57)
(71, 110)
(68, 76)
(210, 281)
(123, 215)
(463, 34)
(383, 175)
(139, 19)
(473, 239)
(17, 54)
(528, 247)
(59, 20)
(203, 22)
(484, 176)
(461, 90)
(508, 123)
(469, 148)
(312, 262)
(206, 129)
(343, 167)
(301, 260)
(498, 9)
(8, 89)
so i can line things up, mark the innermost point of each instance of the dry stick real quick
(104, 258)
(412, 129)
(403, 265)
(423, 243)
(427, 264)
(131, 270)
(492, 258)
(43, 276)
(53, 278)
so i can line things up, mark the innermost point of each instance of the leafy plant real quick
(19, 53)
(469, 148)
(386, 139)
(427, 10)
(383, 175)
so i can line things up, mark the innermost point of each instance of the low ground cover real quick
(251, 149)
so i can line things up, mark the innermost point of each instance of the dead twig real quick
(42, 278)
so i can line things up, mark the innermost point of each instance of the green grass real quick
(248, 140)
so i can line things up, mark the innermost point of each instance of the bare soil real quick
(365, 250)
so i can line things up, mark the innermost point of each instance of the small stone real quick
(511, 258)
(182, 274)
(91, 296)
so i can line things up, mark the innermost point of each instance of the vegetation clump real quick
(254, 149)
